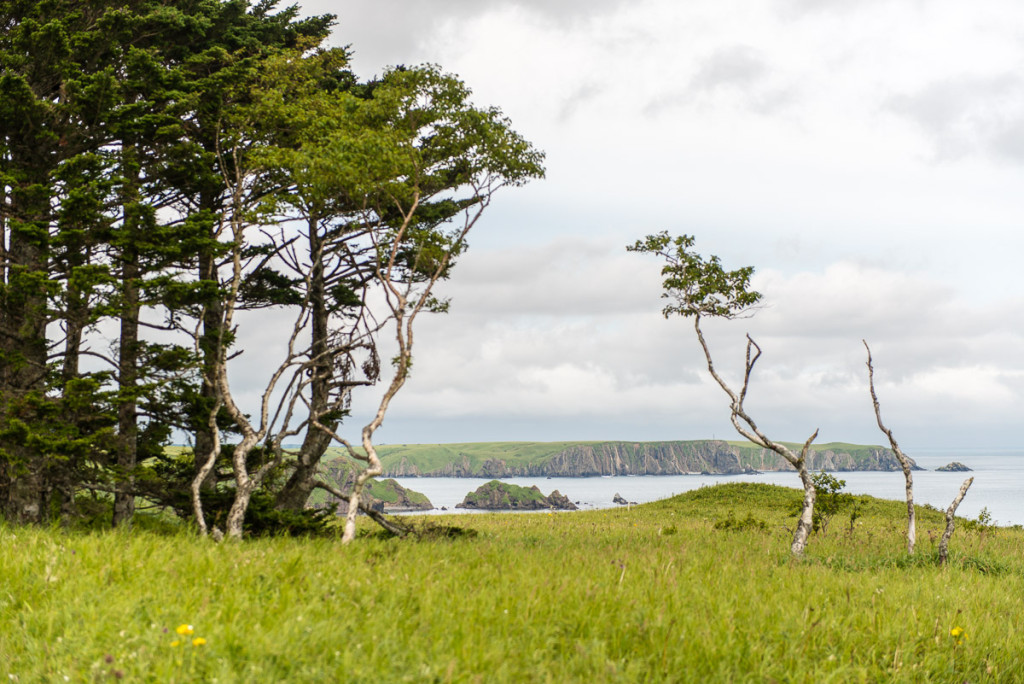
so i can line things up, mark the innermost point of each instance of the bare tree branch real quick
(394, 528)
(950, 513)
(900, 456)
(746, 426)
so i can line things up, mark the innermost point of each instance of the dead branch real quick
(394, 528)
(746, 426)
(950, 512)
(904, 461)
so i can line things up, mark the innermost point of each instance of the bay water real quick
(998, 485)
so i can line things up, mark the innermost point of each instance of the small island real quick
(385, 496)
(954, 467)
(502, 496)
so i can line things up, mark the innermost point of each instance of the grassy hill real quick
(699, 587)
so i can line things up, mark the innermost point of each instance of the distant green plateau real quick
(589, 459)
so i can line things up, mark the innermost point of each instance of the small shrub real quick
(731, 522)
(857, 510)
(980, 524)
(831, 499)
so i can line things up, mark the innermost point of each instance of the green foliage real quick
(830, 500)
(697, 286)
(144, 146)
(166, 480)
(730, 522)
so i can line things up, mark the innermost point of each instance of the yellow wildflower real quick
(175, 643)
(184, 630)
(198, 641)
(956, 632)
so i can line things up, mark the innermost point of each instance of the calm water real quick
(998, 485)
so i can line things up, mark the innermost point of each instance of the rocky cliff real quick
(639, 458)
(502, 496)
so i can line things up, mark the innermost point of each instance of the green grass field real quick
(656, 593)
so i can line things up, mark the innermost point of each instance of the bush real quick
(737, 524)
(831, 499)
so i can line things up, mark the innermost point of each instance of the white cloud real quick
(865, 157)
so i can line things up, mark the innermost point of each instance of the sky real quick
(866, 158)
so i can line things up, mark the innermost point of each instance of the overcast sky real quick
(867, 158)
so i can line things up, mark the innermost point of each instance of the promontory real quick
(589, 459)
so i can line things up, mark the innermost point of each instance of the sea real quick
(998, 486)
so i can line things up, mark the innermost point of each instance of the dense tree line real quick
(169, 168)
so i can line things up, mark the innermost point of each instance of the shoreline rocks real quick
(954, 467)
(502, 496)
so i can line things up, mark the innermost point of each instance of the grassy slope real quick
(826, 446)
(653, 593)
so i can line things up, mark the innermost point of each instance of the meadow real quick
(699, 587)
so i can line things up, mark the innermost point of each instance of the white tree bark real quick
(406, 297)
(746, 426)
(204, 472)
(904, 461)
(395, 528)
(950, 513)
(253, 431)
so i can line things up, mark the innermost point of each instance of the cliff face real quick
(651, 458)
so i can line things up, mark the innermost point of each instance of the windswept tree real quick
(448, 159)
(166, 170)
(697, 288)
(387, 188)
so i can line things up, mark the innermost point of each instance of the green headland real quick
(587, 459)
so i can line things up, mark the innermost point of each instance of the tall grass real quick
(653, 593)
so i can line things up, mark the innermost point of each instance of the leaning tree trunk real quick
(746, 426)
(244, 487)
(805, 524)
(950, 513)
(209, 345)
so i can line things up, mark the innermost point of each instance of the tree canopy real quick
(165, 168)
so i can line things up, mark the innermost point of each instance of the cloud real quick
(797, 136)
(610, 362)
(969, 115)
(389, 32)
(738, 66)
(734, 76)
